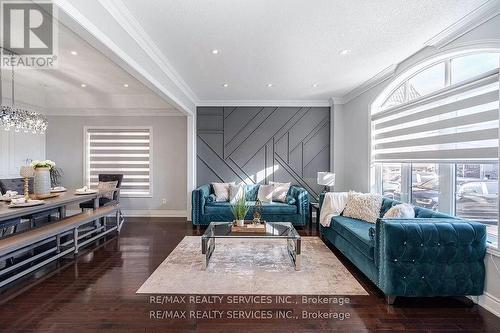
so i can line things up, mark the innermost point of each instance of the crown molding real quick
(472, 20)
(95, 36)
(130, 112)
(367, 85)
(282, 103)
(129, 23)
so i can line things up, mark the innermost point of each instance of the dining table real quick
(59, 202)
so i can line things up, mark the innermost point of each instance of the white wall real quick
(354, 149)
(16, 149)
(65, 146)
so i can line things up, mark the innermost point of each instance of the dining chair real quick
(106, 201)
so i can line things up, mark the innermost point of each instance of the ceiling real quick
(295, 45)
(60, 91)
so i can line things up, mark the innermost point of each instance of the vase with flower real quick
(41, 183)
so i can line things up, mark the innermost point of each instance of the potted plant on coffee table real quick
(240, 210)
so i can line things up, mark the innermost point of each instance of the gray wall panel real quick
(262, 144)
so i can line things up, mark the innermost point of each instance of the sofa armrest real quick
(301, 197)
(430, 257)
(199, 197)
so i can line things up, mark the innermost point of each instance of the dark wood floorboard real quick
(96, 293)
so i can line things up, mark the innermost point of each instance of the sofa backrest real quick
(252, 190)
(420, 212)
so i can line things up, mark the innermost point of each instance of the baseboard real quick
(154, 213)
(145, 212)
(490, 303)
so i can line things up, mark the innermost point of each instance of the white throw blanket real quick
(333, 205)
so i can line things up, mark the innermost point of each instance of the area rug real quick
(257, 267)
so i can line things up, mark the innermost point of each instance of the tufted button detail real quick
(423, 277)
(439, 244)
(404, 277)
(395, 260)
(404, 243)
(421, 244)
(413, 260)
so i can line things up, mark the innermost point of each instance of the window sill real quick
(493, 251)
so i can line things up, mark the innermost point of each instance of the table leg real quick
(207, 249)
(62, 212)
(310, 216)
(294, 250)
(317, 219)
(96, 205)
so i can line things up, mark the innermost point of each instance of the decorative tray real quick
(44, 196)
(250, 227)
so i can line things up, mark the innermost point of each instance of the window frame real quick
(375, 173)
(86, 147)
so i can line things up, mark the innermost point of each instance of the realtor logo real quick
(28, 34)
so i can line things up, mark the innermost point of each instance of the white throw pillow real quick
(106, 188)
(236, 193)
(363, 206)
(265, 193)
(221, 191)
(280, 191)
(401, 211)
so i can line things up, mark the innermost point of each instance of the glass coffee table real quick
(274, 230)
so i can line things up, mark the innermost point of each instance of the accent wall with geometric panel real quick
(262, 144)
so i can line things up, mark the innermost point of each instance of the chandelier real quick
(19, 119)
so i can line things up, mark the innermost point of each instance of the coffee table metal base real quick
(293, 249)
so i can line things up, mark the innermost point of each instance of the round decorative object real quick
(257, 211)
(41, 184)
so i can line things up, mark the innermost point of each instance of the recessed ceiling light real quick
(74, 53)
(225, 85)
(345, 52)
(83, 85)
(269, 85)
(315, 85)
(215, 51)
(125, 85)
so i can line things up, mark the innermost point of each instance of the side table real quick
(314, 206)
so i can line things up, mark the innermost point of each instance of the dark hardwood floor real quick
(96, 293)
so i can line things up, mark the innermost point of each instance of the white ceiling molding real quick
(132, 112)
(282, 103)
(128, 22)
(89, 27)
(380, 77)
(474, 19)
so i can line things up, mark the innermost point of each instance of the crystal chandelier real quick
(17, 118)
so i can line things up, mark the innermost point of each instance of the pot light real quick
(215, 51)
(83, 85)
(125, 85)
(345, 52)
(74, 53)
(315, 85)
(225, 85)
(269, 85)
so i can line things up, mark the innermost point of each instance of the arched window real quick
(435, 136)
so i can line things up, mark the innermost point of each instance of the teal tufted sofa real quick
(431, 255)
(206, 210)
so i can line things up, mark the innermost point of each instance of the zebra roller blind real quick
(459, 123)
(124, 151)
